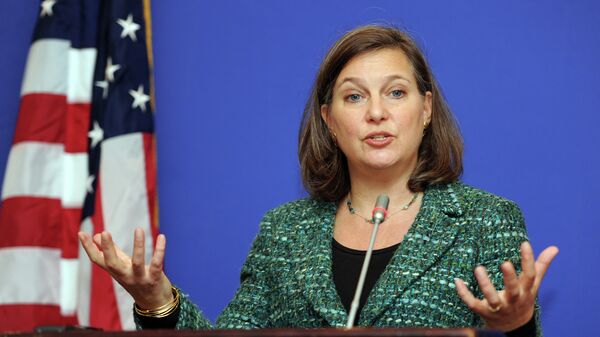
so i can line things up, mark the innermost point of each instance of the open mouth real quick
(379, 139)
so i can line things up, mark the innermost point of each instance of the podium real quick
(323, 332)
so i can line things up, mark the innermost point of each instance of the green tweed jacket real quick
(287, 280)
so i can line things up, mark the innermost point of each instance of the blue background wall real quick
(232, 78)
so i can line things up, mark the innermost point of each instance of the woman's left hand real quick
(512, 307)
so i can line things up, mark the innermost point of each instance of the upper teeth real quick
(378, 137)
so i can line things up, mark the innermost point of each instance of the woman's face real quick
(377, 113)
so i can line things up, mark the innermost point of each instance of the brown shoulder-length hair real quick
(323, 165)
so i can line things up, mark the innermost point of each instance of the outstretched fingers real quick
(467, 297)
(492, 302)
(156, 264)
(543, 263)
(113, 263)
(527, 276)
(512, 289)
(137, 259)
(91, 249)
(487, 288)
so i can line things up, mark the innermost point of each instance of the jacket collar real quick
(432, 233)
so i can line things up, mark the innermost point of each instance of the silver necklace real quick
(353, 211)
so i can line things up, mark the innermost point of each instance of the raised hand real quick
(512, 307)
(147, 284)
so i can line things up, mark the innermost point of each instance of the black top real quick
(347, 263)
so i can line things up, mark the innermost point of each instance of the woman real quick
(376, 123)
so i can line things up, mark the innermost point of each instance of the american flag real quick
(82, 158)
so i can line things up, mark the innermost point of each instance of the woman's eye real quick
(397, 93)
(354, 98)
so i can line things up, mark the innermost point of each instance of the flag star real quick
(47, 7)
(139, 98)
(89, 184)
(129, 27)
(104, 86)
(111, 69)
(96, 134)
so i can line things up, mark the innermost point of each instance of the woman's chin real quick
(380, 167)
(382, 164)
(384, 161)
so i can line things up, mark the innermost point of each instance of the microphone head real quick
(380, 210)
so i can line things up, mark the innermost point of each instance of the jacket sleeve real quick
(250, 305)
(502, 234)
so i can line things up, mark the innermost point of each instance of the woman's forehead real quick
(382, 65)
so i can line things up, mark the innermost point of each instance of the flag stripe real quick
(84, 278)
(48, 118)
(41, 118)
(74, 179)
(60, 277)
(21, 285)
(34, 169)
(71, 219)
(125, 306)
(77, 123)
(103, 305)
(46, 67)
(32, 315)
(80, 75)
(33, 222)
(69, 269)
(102, 297)
(54, 67)
(124, 182)
(150, 162)
(45, 170)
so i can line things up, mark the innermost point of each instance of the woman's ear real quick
(427, 107)
(325, 115)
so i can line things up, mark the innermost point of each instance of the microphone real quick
(378, 216)
(380, 210)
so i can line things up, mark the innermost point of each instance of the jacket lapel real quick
(431, 235)
(316, 276)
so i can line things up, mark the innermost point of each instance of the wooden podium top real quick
(323, 332)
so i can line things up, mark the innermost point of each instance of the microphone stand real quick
(379, 214)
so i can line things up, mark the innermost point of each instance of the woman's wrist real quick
(526, 330)
(160, 311)
(514, 324)
(148, 298)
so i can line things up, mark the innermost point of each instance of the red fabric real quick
(103, 302)
(77, 122)
(71, 219)
(150, 154)
(41, 118)
(25, 317)
(31, 221)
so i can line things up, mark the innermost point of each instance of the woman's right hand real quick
(147, 284)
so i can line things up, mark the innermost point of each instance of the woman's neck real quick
(366, 187)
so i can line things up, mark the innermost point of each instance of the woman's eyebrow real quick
(358, 81)
(355, 80)
(392, 77)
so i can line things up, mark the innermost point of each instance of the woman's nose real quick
(377, 110)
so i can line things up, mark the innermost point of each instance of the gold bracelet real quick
(162, 311)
